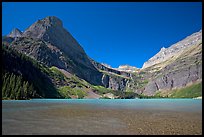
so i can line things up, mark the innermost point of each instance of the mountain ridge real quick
(166, 53)
(15, 33)
(49, 32)
(47, 42)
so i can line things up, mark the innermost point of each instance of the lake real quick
(102, 116)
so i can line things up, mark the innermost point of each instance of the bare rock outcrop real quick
(15, 33)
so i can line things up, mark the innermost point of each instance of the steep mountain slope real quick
(25, 78)
(186, 69)
(178, 71)
(47, 41)
(18, 69)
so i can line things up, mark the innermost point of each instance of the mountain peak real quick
(43, 26)
(15, 33)
(52, 21)
(163, 49)
(50, 29)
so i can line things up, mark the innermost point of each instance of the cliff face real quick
(112, 78)
(114, 82)
(179, 71)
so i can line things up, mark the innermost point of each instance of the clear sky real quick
(115, 33)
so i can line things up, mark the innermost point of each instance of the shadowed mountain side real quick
(23, 66)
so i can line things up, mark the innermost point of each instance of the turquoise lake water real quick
(156, 104)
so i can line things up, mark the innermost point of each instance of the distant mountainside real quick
(127, 68)
(68, 72)
(179, 71)
(166, 53)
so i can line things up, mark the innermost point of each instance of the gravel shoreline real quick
(87, 120)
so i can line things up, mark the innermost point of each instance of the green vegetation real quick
(118, 94)
(71, 86)
(61, 80)
(160, 94)
(128, 90)
(104, 97)
(138, 82)
(58, 78)
(192, 91)
(126, 95)
(101, 90)
(25, 78)
(14, 87)
(57, 73)
(142, 96)
(64, 91)
(67, 92)
(20, 72)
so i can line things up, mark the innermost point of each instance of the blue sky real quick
(115, 33)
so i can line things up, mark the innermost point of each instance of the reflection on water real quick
(104, 116)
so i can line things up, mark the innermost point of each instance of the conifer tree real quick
(25, 89)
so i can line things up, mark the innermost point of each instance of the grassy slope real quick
(191, 91)
(69, 92)
(74, 88)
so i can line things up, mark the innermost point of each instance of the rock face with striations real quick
(183, 68)
(112, 78)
